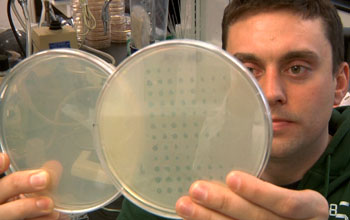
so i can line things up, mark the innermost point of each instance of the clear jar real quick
(80, 28)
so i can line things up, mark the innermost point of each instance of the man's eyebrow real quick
(245, 56)
(301, 54)
(248, 57)
(291, 55)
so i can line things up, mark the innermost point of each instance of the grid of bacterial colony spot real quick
(177, 104)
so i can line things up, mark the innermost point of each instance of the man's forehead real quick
(298, 16)
(270, 24)
(278, 35)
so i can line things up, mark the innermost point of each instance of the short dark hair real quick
(307, 9)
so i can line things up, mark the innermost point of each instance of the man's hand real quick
(13, 205)
(246, 197)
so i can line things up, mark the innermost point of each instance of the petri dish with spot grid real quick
(47, 111)
(175, 112)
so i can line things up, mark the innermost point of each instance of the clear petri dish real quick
(47, 111)
(176, 112)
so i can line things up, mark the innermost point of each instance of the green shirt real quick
(330, 175)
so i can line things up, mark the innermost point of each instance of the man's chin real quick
(282, 149)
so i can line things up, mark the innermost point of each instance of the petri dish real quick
(47, 111)
(175, 112)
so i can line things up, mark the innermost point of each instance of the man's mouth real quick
(280, 124)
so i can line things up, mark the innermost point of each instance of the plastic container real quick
(175, 112)
(149, 19)
(47, 110)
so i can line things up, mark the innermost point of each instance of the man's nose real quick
(273, 87)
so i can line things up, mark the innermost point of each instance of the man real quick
(294, 48)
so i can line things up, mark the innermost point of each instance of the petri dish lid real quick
(47, 110)
(175, 112)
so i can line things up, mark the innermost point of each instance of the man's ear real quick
(342, 83)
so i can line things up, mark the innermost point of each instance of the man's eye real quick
(256, 72)
(251, 69)
(254, 69)
(297, 69)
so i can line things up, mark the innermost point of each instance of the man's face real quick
(292, 60)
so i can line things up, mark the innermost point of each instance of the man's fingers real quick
(27, 208)
(219, 198)
(23, 182)
(4, 162)
(284, 202)
(54, 168)
(248, 197)
(13, 205)
(53, 216)
(189, 210)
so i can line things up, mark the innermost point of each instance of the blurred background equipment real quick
(10, 47)
(54, 36)
(92, 22)
(120, 23)
(192, 19)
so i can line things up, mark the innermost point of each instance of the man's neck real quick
(284, 171)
